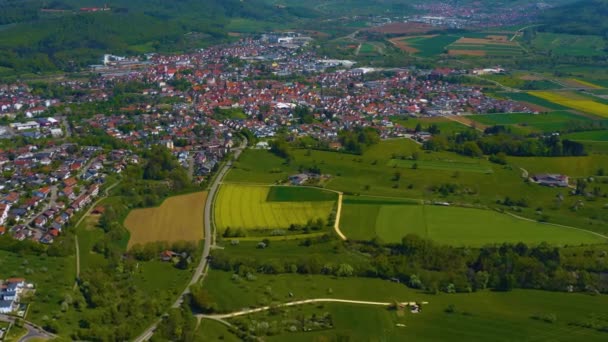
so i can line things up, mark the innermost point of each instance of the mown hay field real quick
(574, 101)
(241, 206)
(451, 225)
(178, 218)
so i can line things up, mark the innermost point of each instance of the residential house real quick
(551, 180)
(4, 210)
(298, 179)
(10, 291)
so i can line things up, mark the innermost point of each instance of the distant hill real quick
(69, 34)
(588, 17)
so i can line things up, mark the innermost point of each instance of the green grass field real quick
(546, 122)
(568, 44)
(258, 166)
(451, 225)
(52, 276)
(571, 166)
(371, 175)
(596, 147)
(479, 316)
(443, 165)
(247, 207)
(209, 330)
(367, 49)
(432, 46)
(589, 136)
(525, 97)
(445, 126)
(299, 194)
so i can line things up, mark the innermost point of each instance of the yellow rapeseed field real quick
(179, 218)
(246, 207)
(574, 101)
(586, 84)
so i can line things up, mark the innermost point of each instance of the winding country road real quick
(209, 238)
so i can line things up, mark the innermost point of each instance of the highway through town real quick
(208, 242)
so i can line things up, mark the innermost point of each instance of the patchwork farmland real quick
(467, 45)
(491, 45)
(253, 207)
(390, 221)
(178, 218)
(574, 101)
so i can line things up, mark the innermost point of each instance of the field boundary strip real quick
(557, 225)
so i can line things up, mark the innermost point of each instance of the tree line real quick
(498, 139)
(423, 264)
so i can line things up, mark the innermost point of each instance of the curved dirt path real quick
(221, 317)
(558, 225)
(524, 173)
(338, 215)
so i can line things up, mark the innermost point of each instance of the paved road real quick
(300, 302)
(47, 206)
(209, 238)
(33, 331)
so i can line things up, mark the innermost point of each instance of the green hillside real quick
(33, 40)
(586, 17)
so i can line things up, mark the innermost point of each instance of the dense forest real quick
(583, 17)
(35, 40)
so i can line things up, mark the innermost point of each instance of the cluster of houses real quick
(18, 98)
(477, 14)
(10, 292)
(239, 77)
(192, 137)
(43, 187)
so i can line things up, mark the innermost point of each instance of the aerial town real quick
(44, 184)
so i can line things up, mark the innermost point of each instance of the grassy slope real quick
(549, 122)
(445, 125)
(525, 97)
(454, 226)
(53, 278)
(502, 316)
(591, 135)
(478, 167)
(369, 175)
